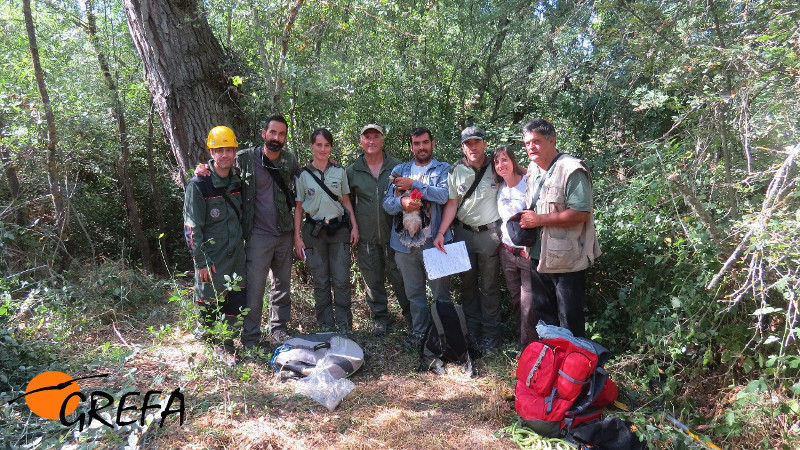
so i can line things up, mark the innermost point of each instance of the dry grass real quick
(246, 406)
(392, 406)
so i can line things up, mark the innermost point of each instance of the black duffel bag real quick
(523, 237)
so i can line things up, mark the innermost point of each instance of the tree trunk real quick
(56, 190)
(489, 68)
(132, 210)
(262, 48)
(12, 179)
(183, 64)
(287, 30)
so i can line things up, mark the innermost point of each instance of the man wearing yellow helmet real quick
(212, 212)
(267, 172)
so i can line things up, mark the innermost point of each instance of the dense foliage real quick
(687, 112)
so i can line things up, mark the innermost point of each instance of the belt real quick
(325, 222)
(516, 251)
(480, 228)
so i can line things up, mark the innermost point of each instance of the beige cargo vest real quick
(565, 249)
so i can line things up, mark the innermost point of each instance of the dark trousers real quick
(328, 258)
(377, 263)
(517, 272)
(558, 298)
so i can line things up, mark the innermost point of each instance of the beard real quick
(274, 146)
(424, 161)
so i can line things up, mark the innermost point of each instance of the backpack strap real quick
(536, 365)
(549, 400)
(230, 203)
(463, 320)
(535, 198)
(319, 346)
(437, 322)
(570, 379)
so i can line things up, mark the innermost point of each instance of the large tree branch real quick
(698, 209)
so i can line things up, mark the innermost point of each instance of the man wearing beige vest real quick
(567, 243)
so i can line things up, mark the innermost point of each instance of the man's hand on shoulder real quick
(202, 170)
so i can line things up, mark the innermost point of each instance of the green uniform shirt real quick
(374, 223)
(213, 231)
(315, 201)
(481, 207)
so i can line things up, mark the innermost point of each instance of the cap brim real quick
(372, 127)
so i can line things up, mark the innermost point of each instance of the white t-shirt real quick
(417, 172)
(510, 200)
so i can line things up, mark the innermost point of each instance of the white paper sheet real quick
(439, 264)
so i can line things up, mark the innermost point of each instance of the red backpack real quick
(561, 382)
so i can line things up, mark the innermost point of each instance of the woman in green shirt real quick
(324, 238)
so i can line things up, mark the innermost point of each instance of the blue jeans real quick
(413, 270)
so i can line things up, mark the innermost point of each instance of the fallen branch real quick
(767, 208)
(119, 336)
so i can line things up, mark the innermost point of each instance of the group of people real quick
(238, 219)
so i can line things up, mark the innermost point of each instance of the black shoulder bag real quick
(527, 237)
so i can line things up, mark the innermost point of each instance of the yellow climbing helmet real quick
(221, 136)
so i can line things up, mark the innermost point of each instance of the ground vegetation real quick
(686, 112)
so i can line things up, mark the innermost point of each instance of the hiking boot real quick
(487, 345)
(379, 329)
(412, 342)
(279, 336)
(434, 365)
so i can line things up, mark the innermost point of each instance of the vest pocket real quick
(561, 253)
(555, 199)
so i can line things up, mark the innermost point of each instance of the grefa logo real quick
(56, 395)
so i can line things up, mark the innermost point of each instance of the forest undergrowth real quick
(112, 319)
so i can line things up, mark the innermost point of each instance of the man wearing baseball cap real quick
(368, 177)
(472, 209)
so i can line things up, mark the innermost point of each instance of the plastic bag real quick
(324, 388)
